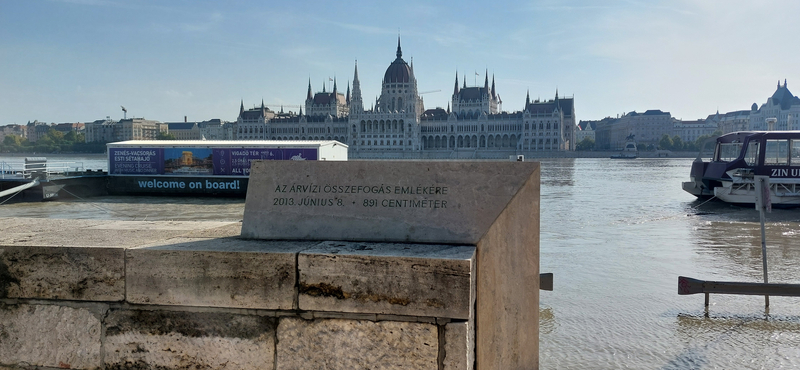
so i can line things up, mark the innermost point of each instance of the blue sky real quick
(80, 60)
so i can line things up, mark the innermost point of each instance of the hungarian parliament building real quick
(397, 125)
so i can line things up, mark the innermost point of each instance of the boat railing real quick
(39, 169)
(63, 167)
(7, 171)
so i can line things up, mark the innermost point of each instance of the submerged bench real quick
(687, 285)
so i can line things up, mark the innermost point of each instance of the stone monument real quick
(380, 219)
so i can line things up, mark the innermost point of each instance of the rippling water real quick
(616, 234)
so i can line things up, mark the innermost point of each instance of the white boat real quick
(739, 157)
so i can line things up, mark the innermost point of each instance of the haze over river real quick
(616, 234)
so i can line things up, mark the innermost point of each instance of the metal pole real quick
(763, 194)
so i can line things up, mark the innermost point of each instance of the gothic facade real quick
(397, 121)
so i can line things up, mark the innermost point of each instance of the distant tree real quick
(677, 143)
(55, 136)
(665, 143)
(585, 144)
(700, 140)
(165, 136)
(71, 136)
(12, 140)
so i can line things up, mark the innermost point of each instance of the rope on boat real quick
(9, 198)
(708, 200)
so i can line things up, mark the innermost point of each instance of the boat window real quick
(795, 153)
(728, 152)
(751, 155)
(777, 152)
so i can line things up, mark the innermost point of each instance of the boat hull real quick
(782, 194)
(697, 189)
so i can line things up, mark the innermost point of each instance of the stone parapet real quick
(88, 294)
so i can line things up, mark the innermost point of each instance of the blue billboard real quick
(197, 161)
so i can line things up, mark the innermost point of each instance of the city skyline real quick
(81, 60)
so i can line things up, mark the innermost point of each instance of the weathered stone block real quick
(355, 344)
(50, 336)
(506, 313)
(188, 340)
(379, 201)
(459, 346)
(225, 272)
(74, 273)
(384, 278)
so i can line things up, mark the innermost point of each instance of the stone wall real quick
(88, 294)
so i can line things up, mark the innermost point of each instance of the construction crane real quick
(430, 91)
(124, 112)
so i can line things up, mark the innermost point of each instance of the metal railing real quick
(33, 169)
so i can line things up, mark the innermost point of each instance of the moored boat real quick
(741, 156)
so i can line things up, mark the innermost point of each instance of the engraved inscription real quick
(366, 196)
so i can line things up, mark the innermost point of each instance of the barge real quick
(218, 168)
(39, 179)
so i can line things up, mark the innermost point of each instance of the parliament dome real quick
(399, 71)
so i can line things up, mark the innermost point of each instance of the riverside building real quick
(397, 125)
(782, 105)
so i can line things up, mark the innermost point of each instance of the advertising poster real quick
(236, 162)
(198, 161)
(136, 161)
(188, 161)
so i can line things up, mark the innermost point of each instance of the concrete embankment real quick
(89, 294)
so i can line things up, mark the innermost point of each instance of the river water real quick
(616, 234)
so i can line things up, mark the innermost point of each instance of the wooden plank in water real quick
(687, 285)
